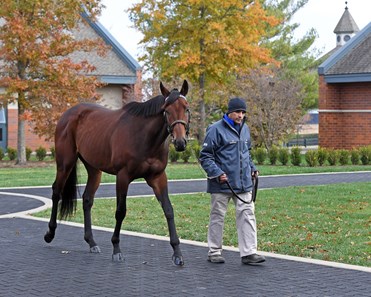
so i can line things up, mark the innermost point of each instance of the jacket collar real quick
(237, 127)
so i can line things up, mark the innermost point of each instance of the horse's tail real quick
(69, 195)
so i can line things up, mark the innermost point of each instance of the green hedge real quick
(320, 156)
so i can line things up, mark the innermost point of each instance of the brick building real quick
(345, 89)
(118, 70)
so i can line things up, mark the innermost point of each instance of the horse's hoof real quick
(178, 261)
(48, 237)
(117, 257)
(95, 249)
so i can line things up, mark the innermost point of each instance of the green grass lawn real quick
(34, 175)
(331, 222)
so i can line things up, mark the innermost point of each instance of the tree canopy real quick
(297, 58)
(38, 70)
(207, 41)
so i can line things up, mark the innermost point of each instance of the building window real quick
(346, 38)
(2, 116)
(1, 134)
(338, 38)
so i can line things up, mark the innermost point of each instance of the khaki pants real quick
(245, 221)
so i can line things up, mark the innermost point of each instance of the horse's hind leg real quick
(94, 177)
(49, 236)
(63, 173)
(160, 189)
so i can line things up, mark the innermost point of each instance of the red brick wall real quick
(32, 140)
(344, 129)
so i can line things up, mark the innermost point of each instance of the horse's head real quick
(177, 115)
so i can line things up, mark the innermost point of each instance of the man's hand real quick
(255, 173)
(223, 178)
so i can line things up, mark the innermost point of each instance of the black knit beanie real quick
(236, 104)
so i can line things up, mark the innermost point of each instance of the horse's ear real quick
(184, 89)
(164, 91)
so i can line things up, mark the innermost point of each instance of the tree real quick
(296, 57)
(274, 105)
(207, 41)
(38, 67)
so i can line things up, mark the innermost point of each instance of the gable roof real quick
(118, 66)
(352, 62)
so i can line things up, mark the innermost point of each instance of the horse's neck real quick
(159, 131)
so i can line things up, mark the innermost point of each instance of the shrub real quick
(343, 157)
(295, 156)
(283, 155)
(40, 153)
(260, 155)
(354, 156)
(1, 153)
(252, 154)
(196, 148)
(365, 154)
(332, 157)
(185, 155)
(311, 157)
(322, 155)
(273, 155)
(173, 154)
(12, 153)
(28, 153)
(52, 152)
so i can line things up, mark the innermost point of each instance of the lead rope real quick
(254, 182)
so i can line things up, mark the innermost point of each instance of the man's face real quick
(237, 116)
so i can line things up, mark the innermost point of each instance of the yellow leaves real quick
(212, 38)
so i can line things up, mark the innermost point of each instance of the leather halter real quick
(170, 127)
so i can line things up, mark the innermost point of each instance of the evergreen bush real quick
(343, 157)
(185, 155)
(311, 157)
(252, 154)
(40, 153)
(273, 155)
(52, 152)
(354, 156)
(296, 156)
(333, 156)
(322, 155)
(12, 153)
(260, 155)
(283, 155)
(28, 153)
(365, 154)
(1, 153)
(173, 154)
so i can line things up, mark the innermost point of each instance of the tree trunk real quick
(202, 124)
(21, 140)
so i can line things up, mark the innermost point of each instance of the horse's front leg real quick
(122, 185)
(94, 177)
(159, 185)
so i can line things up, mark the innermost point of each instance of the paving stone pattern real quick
(31, 267)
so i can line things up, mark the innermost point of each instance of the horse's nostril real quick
(180, 145)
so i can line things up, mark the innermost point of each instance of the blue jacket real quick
(225, 150)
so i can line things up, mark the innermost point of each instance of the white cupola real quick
(346, 27)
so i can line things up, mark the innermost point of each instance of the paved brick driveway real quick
(30, 267)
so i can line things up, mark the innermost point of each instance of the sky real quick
(322, 15)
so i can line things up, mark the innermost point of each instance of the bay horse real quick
(131, 142)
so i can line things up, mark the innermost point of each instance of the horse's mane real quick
(153, 106)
